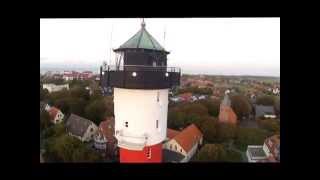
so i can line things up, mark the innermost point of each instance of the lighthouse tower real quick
(140, 80)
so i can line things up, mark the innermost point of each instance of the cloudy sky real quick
(224, 46)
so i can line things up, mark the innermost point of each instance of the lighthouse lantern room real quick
(141, 81)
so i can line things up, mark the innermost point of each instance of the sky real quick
(219, 46)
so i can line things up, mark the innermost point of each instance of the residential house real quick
(264, 111)
(185, 142)
(81, 128)
(174, 99)
(271, 147)
(105, 139)
(70, 75)
(171, 156)
(226, 114)
(186, 97)
(268, 152)
(53, 88)
(56, 116)
(44, 106)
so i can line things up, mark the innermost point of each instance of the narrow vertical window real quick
(158, 94)
(149, 153)
(157, 124)
(126, 124)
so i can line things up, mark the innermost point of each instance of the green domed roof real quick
(142, 40)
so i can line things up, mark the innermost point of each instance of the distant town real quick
(210, 118)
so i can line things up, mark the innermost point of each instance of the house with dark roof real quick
(81, 128)
(265, 111)
(185, 142)
(226, 114)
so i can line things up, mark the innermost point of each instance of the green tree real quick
(213, 106)
(65, 148)
(211, 152)
(208, 127)
(271, 125)
(175, 119)
(267, 100)
(241, 105)
(58, 95)
(226, 132)
(96, 111)
(55, 131)
(250, 136)
(44, 120)
(63, 105)
(44, 94)
(77, 105)
(184, 114)
(79, 92)
(109, 105)
(277, 106)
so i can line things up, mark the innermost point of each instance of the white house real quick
(185, 142)
(54, 88)
(268, 152)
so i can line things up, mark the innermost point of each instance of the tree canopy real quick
(241, 105)
(213, 106)
(208, 127)
(44, 120)
(65, 148)
(96, 111)
(185, 114)
(267, 100)
(211, 152)
(250, 136)
(196, 90)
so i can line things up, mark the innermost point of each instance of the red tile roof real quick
(53, 111)
(171, 133)
(186, 96)
(227, 115)
(106, 127)
(188, 137)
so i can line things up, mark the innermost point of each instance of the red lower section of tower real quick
(149, 154)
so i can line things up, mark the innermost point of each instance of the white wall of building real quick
(170, 145)
(59, 117)
(54, 88)
(141, 109)
(89, 134)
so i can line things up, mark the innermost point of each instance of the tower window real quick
(158, 94)
(175, 147)
(149, 153)
(126, 124)
(157, 124)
